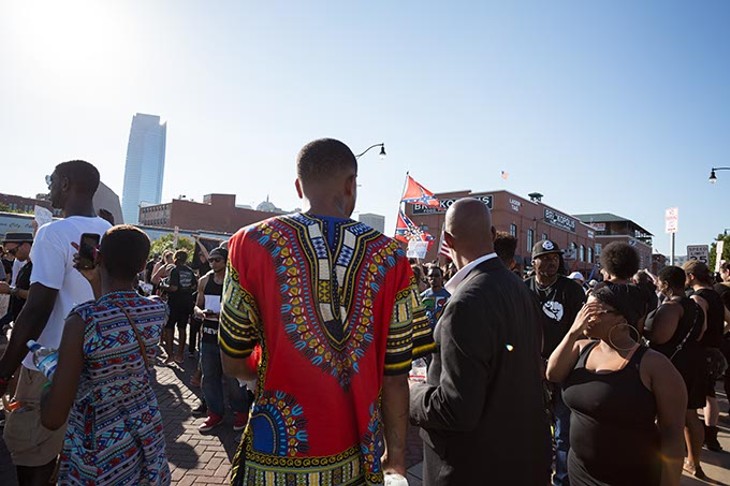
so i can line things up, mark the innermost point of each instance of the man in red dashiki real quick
(335, 309)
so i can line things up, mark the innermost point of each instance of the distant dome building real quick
(269, 207)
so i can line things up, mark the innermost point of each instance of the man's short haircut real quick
(81, 175)
(434, 268)
(620, 259)
(505, 245)
(324, 158)
(699, 270)
(673, 275)
(181, 255)
(124, 251)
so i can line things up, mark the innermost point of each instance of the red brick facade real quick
(217, 212)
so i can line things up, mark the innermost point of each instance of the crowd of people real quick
(307, 325)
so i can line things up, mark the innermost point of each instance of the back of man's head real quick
(325, 160)
(181, 256)
(505, 245)
(469, 222)
(83, 178)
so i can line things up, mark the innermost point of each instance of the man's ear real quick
(298, 185)
(351, 185)
(449, 239)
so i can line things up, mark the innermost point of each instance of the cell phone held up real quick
(88, 246)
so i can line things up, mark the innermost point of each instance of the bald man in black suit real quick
(481, 408)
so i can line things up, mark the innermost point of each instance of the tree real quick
(167, 242)
(725, 251)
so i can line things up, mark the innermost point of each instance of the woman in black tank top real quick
(673, 330)
(627, 402)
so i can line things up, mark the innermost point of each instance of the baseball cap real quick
(544, 247)
(576, 276)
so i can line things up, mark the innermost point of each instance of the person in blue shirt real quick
(434, 299)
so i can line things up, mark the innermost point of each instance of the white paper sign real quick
(671, 220)
(42, 215)
(417, 249)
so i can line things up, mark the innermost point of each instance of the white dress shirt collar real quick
(459, 276)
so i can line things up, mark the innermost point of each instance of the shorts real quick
(715, 367)
(179, 316)
(30, 443)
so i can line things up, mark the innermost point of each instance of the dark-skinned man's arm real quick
(29, 325)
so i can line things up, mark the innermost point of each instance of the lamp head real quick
(713, 177)
(382, 151)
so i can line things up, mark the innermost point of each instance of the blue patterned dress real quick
(115, 433)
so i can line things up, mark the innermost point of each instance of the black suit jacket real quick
(481, 410)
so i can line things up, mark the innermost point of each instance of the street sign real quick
(718, 254)
(671, 220)
(698, 252)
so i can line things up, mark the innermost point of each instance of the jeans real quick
(213, 378)
(562, 439)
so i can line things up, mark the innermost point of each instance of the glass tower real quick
(145, 165)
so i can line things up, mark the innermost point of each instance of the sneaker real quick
(201, 410)
(240, 420)
(211, 422)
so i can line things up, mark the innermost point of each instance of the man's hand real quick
(199, 313)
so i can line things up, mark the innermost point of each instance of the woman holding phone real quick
(102, 384)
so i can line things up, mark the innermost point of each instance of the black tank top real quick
(210, 326)
(613, 437)
(715, 318)
(689, 327)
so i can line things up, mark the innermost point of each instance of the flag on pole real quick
(444, 247)
(505, 175)
(415, 193)
(406, 230)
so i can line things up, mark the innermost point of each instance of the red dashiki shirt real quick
(335, 307)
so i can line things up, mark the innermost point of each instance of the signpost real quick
(671, 225)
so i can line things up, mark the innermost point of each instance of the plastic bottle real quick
(418, 370)
(395, 479)
(45, 359)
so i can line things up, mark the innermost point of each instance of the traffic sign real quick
(671, 220)
(698, 252)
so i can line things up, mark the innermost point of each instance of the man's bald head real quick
(469, 222)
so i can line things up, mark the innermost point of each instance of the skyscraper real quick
(145, 165)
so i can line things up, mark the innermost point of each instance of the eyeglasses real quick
(49, 181)
(13, 250)
(215, 260)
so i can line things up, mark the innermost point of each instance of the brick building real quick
(26, 204)
(217, 212)
(609, 228)
(529, 220)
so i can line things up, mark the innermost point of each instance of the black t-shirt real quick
(715, 318)
(560, 304)
(210, 326)
(22, 281)
(724, 291)
(184, 279)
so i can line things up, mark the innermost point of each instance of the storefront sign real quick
(446, 204)
(559, 220)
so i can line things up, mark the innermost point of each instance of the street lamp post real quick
(382, 150)
(713, 177)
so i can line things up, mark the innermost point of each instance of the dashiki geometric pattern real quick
(114, 433)
(328, 306)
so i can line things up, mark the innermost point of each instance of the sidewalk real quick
(205, 459)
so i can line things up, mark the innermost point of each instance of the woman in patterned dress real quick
(103, 378)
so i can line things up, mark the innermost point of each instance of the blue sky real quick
(601, 106)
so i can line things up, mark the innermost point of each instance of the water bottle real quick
(395, 479)
(418, 370)
(45, 359)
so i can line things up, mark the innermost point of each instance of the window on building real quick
(530, 238)
(590, 255)
(598, 249)
(582, 253)
(544, 236)
(513, 230)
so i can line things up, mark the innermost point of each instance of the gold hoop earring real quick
(610, 341)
